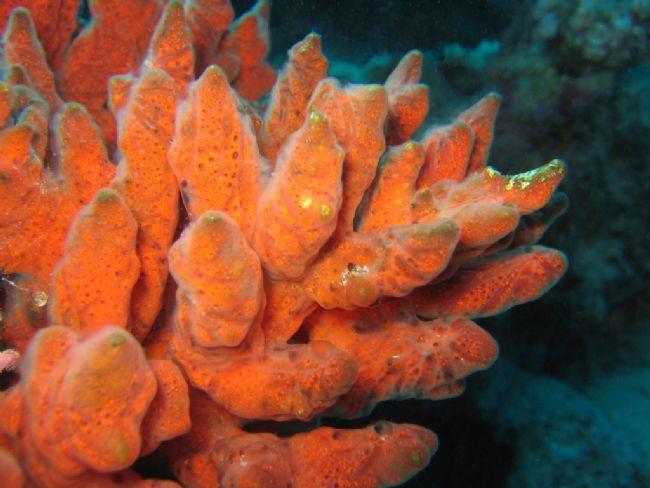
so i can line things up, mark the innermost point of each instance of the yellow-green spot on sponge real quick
(121, 449)
(325, 211)
(316, 116)
(105, 196)
(116, 340)
(416, 457)
(211, 218)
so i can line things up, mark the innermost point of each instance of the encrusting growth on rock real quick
(322, 260)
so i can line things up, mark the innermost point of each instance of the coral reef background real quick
(567, 402)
